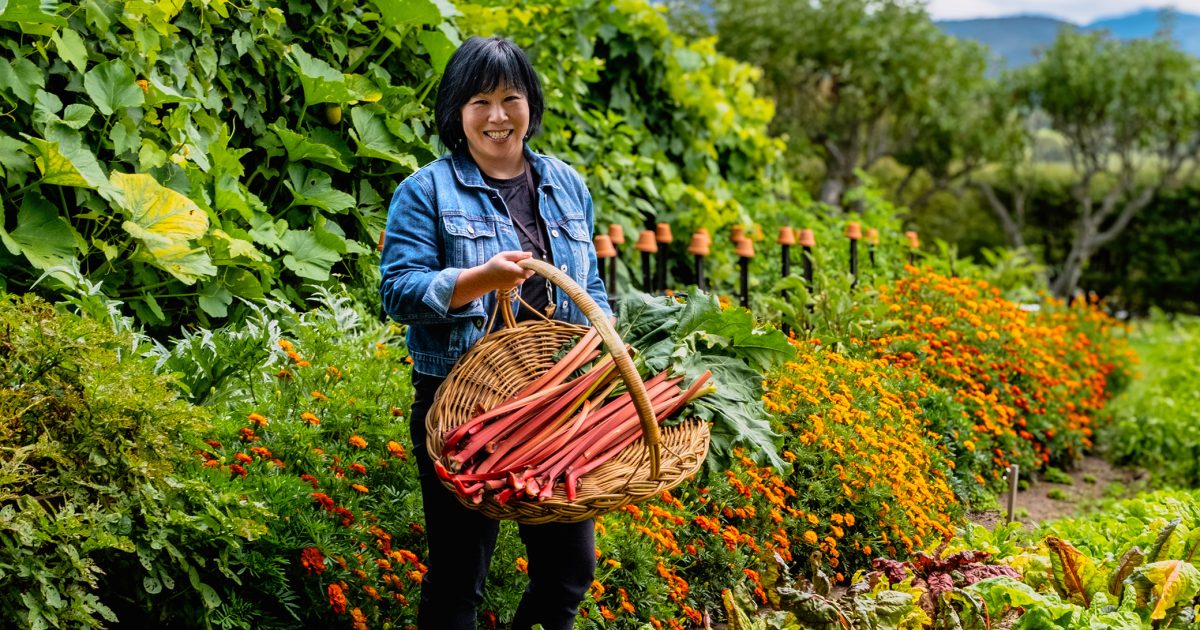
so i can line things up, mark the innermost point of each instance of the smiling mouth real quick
(498, 135)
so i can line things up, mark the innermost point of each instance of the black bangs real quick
(483, 65)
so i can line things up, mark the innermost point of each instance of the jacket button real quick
(470, 229)
(478, 322)
(564, 267)
(554, 233)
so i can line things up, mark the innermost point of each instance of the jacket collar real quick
(468, 173)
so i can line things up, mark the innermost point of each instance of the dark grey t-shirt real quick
(521, 204)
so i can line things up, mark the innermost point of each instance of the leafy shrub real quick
(97, 523)
(1156, 423)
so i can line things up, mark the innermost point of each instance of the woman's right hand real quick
(500, 273)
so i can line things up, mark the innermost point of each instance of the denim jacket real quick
(443, 219)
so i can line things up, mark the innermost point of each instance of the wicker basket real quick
(506, 360)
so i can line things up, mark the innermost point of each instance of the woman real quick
(456, 231)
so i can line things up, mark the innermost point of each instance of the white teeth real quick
(498, 135)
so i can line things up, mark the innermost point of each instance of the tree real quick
(854, 80)
(1130, 116)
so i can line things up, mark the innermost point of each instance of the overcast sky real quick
(1077, 11)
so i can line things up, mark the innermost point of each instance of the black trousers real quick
(562, 556)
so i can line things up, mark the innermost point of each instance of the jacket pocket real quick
(470, 240)
(579, 241)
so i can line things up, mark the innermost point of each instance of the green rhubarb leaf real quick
(112, 86)
(165, 222)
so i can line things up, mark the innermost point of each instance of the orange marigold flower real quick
(285, 344)
(312, 560)
(397, 412)
(257, 419)
(358, 619)
(359, 487)
(522, 565)
(261, 452)
(358, 468)
(607, 614)
(212, 463)
(396, 449)
(337, 599)
(810, 537)
(357, 442)
(323, 500)
(242, 457)
(236, 469)
(213, 443)
(310, 479)
(319, 396)
(310, 418)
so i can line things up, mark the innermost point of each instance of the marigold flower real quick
(242, 457)
(323, 500)
(337, 599)
(357, 442)
(359, 487)
(312, 560)
(257, 419)
(236, 469)
(357, 618)
(522, 565)
(396, 449)
(310, 418)
(319, 396)
(310, 479)
(213, 443)
(358, 468)
(810, 537)
(212, 463)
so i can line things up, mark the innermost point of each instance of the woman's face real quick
(495, 124)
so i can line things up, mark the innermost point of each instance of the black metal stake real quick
(745, 265)
(600, 266)
(660, 273)
(808, 277)
(853, 263)
(871, 254)
(787, 271)
(700, 273)
(647, 273)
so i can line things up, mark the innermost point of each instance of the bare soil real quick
(1093, 480)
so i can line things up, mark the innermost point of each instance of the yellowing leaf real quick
(1170, 581)
(164, 221)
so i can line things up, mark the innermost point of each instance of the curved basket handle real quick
(633, 382)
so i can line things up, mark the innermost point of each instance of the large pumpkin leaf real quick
(12, 159)
(439, 46)
(64, 160)
(315, 188)
(1169, 583)
(321, 82)
(375, 141)
(300, 147)
(71, 48)
(22, 77)
(41, 235)
(165, 221)
(111, 86)
(32, 12)
(309, 257)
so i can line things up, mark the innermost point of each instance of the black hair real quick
(482, 65)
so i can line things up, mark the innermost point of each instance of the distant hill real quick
(1015, 40)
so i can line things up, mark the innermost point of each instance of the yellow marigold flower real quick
(357, 442)
(810, 537)
(849, 518)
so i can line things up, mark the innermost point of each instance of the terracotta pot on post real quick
(914, 243)
(647, 246)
